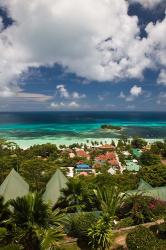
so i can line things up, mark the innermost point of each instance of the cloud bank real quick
(95, 39)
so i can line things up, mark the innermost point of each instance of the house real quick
(83, 168)
(107, 147)
(132, 166)
(83, 154)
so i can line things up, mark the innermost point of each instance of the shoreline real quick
(24, 144)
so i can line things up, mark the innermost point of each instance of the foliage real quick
(138, 142)
(100, 234)
(12, 247)
(108, 200)
(136, 206)
(78, 224)
(76, 197)
(155, 175)
(36, 172)
(33, 222)
(141, 238)
(4, 211)
(149, 159)
(126, 222)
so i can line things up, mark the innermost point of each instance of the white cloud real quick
(57, 105)
(147, 3)
(63, 91)
(34, 96)
(81, 36)
(64, 106)
(161, 100)
(136, 91)
(76, 95)
(73, 105)
(162, 77)
(122, 95)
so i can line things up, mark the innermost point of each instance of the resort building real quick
(132, 166)
(83, 168)
(13, 186)
(53, 188)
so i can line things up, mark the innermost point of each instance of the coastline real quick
(24, 144)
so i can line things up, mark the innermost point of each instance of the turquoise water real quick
(68, 127)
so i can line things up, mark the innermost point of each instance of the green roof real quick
(147, 190)
(143, 185)
(13, 186)
(54, 186)
(132, 166)
(137, 152)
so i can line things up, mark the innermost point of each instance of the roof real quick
(54, 186)
(82, 153)
(132, 166)
(105, 157)
(83, 166)
(106, 146)
(137, 152)
(143, 185)
(13, 186)
(146, 189)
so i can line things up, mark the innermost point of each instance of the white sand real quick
(68, 141)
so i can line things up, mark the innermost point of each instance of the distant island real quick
(110, 127)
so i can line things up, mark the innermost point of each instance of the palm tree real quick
(4, 211)
(75, 197)
(35, 226)
(109, 200)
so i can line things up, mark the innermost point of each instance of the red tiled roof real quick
(82, 153)
(107, 156)
(107, 146)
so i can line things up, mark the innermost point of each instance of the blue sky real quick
(86, 55)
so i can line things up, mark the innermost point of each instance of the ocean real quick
(28, 128)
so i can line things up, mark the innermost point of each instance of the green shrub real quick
(79, 223)
(141, 238)
(126, 222)
(100, 234)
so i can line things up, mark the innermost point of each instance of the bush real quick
(79, 223)
(100, 234)
(137, 207)
(141, 238)
(126, 222)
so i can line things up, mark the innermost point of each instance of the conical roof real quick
(54, 186)
(143, 185)
(13, 186)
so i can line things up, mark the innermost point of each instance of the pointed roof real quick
(54, 186)
(13, 186)
(143, 185)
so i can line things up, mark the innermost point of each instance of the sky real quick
(101, 55)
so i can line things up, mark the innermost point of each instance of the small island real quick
(110, 127)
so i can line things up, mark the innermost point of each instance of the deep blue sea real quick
(28, 128)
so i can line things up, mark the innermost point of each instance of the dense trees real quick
(138, 142)
(155, 175)
(148, 159)
(33, 225)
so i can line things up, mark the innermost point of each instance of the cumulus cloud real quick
(64, 93)
(64, 106)
(147, 3)
(162, 77)
(135, 91)
(81, 36)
